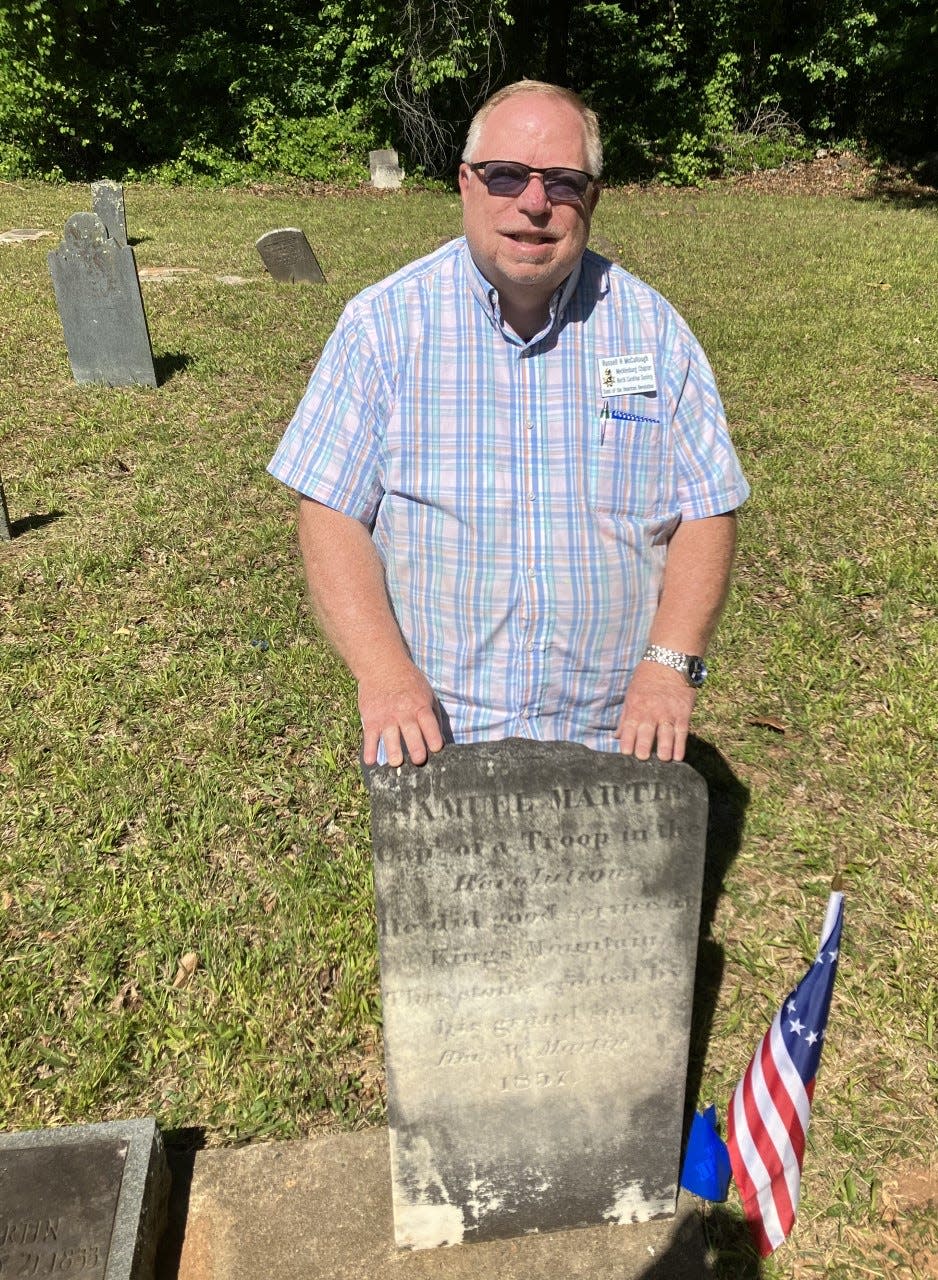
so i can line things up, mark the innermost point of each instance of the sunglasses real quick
(510, 178)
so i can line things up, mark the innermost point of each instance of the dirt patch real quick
(909, 1207)
(831, 173)
(911, 1187)
(923, 382)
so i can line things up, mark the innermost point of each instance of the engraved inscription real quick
(531, 880)
(57, 1206)
(537, 932)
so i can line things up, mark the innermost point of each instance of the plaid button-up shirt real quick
(522, 510)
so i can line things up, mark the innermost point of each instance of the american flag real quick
(771, 1107)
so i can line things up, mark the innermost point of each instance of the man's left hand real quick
(656, 713)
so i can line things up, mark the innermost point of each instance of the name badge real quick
(628, 375)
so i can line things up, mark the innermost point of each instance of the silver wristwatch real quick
(691, 667)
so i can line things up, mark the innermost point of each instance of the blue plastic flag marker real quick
(706, 1171)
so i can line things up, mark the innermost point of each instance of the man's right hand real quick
(402, 710)
(347, 588)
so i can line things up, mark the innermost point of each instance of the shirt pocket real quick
(629, 466)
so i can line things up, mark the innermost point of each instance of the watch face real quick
(696, 671)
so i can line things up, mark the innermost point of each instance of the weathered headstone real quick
(538, 911)
(386, 172)
(289, 257)
(107, 201)
(89, 1200)
(100, 305)
(6, 531)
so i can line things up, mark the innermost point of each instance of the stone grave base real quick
(322, 1208)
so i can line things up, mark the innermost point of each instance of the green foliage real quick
(189, 89)
(331, 148)
(64, 95)
(198, 165)
(769, 141)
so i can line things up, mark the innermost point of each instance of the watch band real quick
(690, 666)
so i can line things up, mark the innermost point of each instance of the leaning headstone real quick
(100, 305)
(289, 257)
(6, 530)
(89, 1200)
(386, 173)
(107, 201)
(538, 911)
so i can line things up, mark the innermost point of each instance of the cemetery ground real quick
(186, 902)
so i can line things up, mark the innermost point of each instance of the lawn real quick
(185, 890)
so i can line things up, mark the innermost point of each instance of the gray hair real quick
(593, 147)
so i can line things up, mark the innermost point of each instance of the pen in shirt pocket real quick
(620, 415)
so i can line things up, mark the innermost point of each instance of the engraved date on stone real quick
(539, 1080)
(60, 1262)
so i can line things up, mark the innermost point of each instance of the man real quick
(517, 488)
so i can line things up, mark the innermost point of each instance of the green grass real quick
(178, 749)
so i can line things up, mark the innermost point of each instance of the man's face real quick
(526, 245)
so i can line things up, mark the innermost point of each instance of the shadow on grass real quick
(169, 364)
(901, 195)
(27, 523)
(728, 800)
(728, 1251)
(732, 1253)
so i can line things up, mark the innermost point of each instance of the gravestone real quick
(107, 201)
(6, 531)
(289, 257)
(386, 173)
(100, 306)
(538, 912)
(89, 1200)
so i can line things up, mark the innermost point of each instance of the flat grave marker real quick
(100, 305)
(289, 257)
(88, 1200)
(22, 235)
(538, 916)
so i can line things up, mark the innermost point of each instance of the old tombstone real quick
(100, 305)
(6, 530)
(107, 201)
(386, 172)
(289, 257)
(538, 910)
(89, 1200)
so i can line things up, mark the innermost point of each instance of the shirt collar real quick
(487, 295)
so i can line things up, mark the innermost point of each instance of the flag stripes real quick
(769, 1113)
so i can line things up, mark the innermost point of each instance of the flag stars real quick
(797, 1026)
(812, 1037)
(834, 954)
(791, 1006)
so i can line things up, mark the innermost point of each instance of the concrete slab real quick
(322, 1209)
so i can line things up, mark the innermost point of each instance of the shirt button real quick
(529, 425)
(531, 496)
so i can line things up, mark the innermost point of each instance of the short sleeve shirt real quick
(521, 494)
